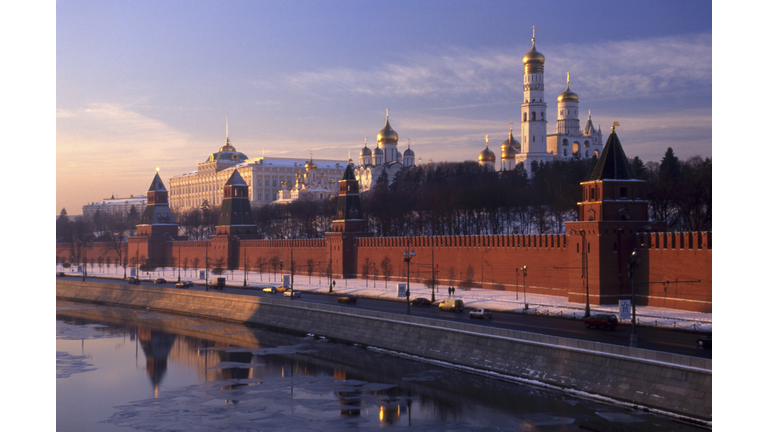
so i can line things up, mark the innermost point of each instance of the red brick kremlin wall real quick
(675, 269)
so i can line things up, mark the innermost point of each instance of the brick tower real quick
(613, 210)
(350, 223)
(155, 229)
(236, 217)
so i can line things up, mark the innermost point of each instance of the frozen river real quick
(123, 369)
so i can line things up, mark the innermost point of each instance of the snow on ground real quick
(495, 300)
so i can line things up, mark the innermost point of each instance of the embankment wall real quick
(675, 384)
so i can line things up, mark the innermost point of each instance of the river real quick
(121, 368)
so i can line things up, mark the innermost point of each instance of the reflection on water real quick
(119, 367)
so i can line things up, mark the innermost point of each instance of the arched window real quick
(533, 116)
(525, 116)
(565, 142)
(565, 152)
(586, 143)
(542, 116)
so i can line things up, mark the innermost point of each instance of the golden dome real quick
(533, 60)
(387, 135)
(568, 95)
(310, 165)
(486, 155)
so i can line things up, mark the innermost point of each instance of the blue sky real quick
(148, 84)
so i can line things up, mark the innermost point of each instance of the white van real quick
(452, 305)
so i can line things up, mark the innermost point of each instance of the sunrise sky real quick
(142, 85)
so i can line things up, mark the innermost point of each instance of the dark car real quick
(349, 299)
(159, 281)
(184, 284)
(602, 321)
(60, 274)
(421, 301)
(705, 341)
(133, 280)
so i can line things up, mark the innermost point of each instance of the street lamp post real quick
(408, 257)
(179, 263)
(517, 287)
(525, 273)
(633, 260)
(585, 266)
(433, 281)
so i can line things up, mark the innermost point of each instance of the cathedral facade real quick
(384, 158)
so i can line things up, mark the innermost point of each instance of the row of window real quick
(533, 116)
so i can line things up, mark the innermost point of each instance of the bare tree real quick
(366, 270)
(469, 279)
(386, 269)
(261, 264)
(310, 268)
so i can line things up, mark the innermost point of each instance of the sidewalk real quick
(497, 301)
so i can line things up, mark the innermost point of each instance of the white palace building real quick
(265, 176)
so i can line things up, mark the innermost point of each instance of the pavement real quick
(495, 300)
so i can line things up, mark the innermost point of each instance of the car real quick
(184, 284)
(295, 294)
(282, 289)
(159, 281)
(481, 314)
(60, 274)
(270, 290)
(348, 298)
(133, 280)
(705, 341)
(452, 305)
(421, 301)
(602, 321)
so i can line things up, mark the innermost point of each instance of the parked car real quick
(705, 341)
(481, 314)
(133, 280)
(421, 301)
(602, 321)
(60, 274)
(270, 290)
(159, 281)
(184, 284)
(295, 294)
(282, 289)
(349, 299)
(452, 305)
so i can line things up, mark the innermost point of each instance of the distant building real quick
(115, 206)
(308, 185)
(264, 177)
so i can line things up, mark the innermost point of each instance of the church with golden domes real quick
(537, 148)
(384, 158)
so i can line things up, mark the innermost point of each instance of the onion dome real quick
(408, 151)
(387, 135)
(568, 95)
(366, 151)
(377, 151)
(486, 155)
(533, 60)
(509, 151)
(310, 165)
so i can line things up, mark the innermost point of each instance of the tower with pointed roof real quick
(236, 216)
(157, 219)
(348, 225)
(613, 210)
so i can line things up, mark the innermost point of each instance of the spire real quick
(486, 141)
(533, 39)
(567, 81)
(613, 163)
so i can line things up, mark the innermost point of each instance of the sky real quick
(142, 85)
